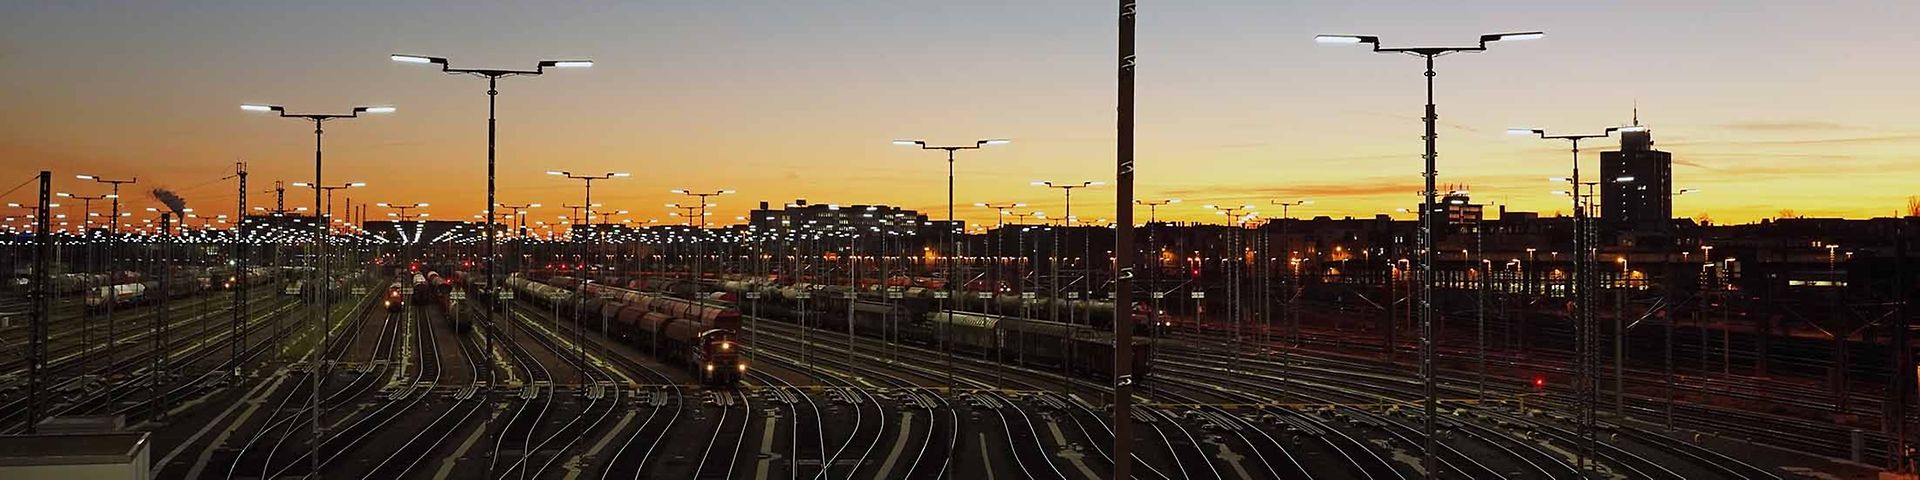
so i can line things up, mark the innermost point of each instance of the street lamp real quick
(1054, 243)
(113, 242)
(952, 242)
(1286, 219)
(581, 282)
(325, 272)
(1235, 216)
(403, 216)
(993, 254)
(493, 77)
(1153, 290)
(699, 233)
(1582, 282)
(328, 211)
(1430, 406)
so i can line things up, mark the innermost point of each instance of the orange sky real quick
(1765, 105)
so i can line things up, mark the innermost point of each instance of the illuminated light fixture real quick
(1513, 36)
(416, 59)
(259, 108)
(1345, 39)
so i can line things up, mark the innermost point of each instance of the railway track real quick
(1792, 432)
(429, 439)
(132, 372)
(1349, 384)
(251, 458)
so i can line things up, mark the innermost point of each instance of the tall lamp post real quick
(324, 274)
(113, 242)
(700, 231)
(517, 212)
(1153, 253)
(1235, 215)
(328, 210)
(1053, 267)
(1292, 316)
(493, 76)
(1000, 211)
(86, 220)
(403, 209)
(953, 242)
(1582, 283)
(1430, 406)
(580, 283)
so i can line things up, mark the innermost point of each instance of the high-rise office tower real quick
(1636, 186)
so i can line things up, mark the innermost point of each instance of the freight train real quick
(915, 317)
(437, 293)
(699, 336)
(181, 284)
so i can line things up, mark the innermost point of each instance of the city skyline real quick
(1243, 106)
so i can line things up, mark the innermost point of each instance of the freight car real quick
(181, 285)
(700, 336)
(1082, 349)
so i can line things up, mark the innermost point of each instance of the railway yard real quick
(562, 388)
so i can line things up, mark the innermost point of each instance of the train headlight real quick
(709, 368)
(740, 367)
(726, 346)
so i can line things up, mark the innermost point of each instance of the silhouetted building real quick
(1636, 187)
(1458, 212)
(799, 215)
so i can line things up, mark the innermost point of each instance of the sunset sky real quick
(1765, 105)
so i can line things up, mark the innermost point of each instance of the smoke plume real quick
(172, 200)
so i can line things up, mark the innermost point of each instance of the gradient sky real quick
(1766, 105)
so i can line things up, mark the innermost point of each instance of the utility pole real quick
(42, 300)
(1123, 252)
(239, 271)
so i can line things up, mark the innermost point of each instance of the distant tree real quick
(1787, 213)
(1913, 205)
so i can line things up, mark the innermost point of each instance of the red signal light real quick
(1539, 383)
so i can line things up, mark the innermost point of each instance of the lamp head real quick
(1346, 39)
(422, 59)
(1512, 36)
(567, 63)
